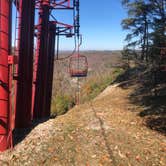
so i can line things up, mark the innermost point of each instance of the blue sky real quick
(100, 25)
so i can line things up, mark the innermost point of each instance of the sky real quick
(100, 23)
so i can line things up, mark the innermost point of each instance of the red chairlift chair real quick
(78, 66)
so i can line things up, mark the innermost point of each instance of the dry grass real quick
(104, 132)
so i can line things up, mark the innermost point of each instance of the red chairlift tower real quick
(5, 50)
(50, 69)
(24, 52)
(44, 57)
(33, 82)
(41, 60)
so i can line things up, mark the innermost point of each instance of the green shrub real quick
(61, 104)
(117, 71)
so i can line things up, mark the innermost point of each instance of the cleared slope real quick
(105, 132)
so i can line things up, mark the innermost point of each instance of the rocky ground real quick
(104, 132)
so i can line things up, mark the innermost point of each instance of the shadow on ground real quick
(20, 134)
(151, 97)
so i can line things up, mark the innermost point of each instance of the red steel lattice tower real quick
(50, 69)
(5, 45)
(25, 63)
(33, 87)
(41, 60)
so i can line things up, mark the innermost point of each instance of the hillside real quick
(101, 66)
(108, 130)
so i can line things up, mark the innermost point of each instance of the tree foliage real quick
(146, 24)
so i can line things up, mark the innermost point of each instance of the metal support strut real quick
(5, 44)
(25, 63)
(41, 61)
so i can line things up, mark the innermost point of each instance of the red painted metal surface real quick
(25, 63)
(12, 60)
(41, 61)
(4, 74)
(50, 69)
(62, 24)
(43, 67)
(11, 115)
(27, 106)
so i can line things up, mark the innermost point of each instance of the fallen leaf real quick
(120, 154)
(138, 158)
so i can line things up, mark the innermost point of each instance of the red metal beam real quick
(50, 69)
(5, 15)
(25, 63)
(41, 61)
(62, 3)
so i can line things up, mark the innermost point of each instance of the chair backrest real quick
(78, 66)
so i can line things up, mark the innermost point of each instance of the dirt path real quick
(104, 132)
